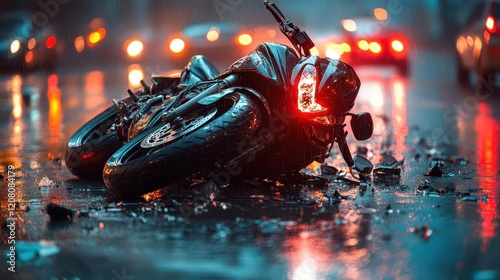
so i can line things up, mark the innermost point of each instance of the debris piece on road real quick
(82, 213)
(329, 170)
(470, 198)
(59, 213)
(56, 158)
(387, 172)
(337, 196)
(388, 209)
(46, 182)
(403, 187)
(22, 206)
(458, 159)
(207, 189)
(34, 165)
(362, 150)
(435, 169)
(425, 230)
(362, 165)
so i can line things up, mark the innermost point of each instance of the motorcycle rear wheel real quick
(91, 145)
(169, 152)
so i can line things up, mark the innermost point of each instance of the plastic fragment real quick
(425, 230)
(59, 213)
(435, 169)
(46, 182)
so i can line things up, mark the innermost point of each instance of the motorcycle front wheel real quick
(91, 145)
(171, 151)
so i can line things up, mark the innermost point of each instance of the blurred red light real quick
(51, 42)
(491, 24)
(397, 45)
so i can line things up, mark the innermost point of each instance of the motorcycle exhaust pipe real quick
(182, 110)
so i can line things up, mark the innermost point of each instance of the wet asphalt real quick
(313, 225)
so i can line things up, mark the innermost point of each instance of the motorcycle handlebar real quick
(275, 11)
(299, 39)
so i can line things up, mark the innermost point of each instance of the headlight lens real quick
(307, 91)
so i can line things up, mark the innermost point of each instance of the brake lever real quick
(286, 26)
(275, 11)
(298, 38)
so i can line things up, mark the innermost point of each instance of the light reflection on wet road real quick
(393, 230)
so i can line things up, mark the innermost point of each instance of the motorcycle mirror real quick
(362, 165)
(362, 126)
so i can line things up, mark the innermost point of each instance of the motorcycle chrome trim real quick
(168, 133)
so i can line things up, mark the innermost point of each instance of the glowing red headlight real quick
(307, 91)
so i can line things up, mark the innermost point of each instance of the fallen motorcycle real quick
(274, 110)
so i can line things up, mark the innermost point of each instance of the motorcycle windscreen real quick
(271, 60)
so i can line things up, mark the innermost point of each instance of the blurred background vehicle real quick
(333, 45)
(478, 43)
(221, 42)
(23, 45)
(372, 42)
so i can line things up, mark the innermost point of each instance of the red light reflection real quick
(55, 109)
(399, 115)
(94, 91)
(487, 130)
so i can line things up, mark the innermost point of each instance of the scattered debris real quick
(361, 150)
(458, 159)
(417, 156)
(337, 196)
(22, 206)
(435, 169)
(387, 172)
(56, 158)
(34, 165)
(329, 170)
(46, 182)
(59, 213)
(207, 189)
(362, 165)
(388, 209)
(403, 187)
(82, 213)
(470, 198)
(424, 230)
(425, 187)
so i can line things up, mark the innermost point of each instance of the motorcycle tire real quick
(166, 153)
(91, 145)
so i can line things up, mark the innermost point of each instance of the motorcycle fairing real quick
(271, 60)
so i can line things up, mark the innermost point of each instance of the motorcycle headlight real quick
(306, 98)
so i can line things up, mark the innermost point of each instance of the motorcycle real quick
(275, 110)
